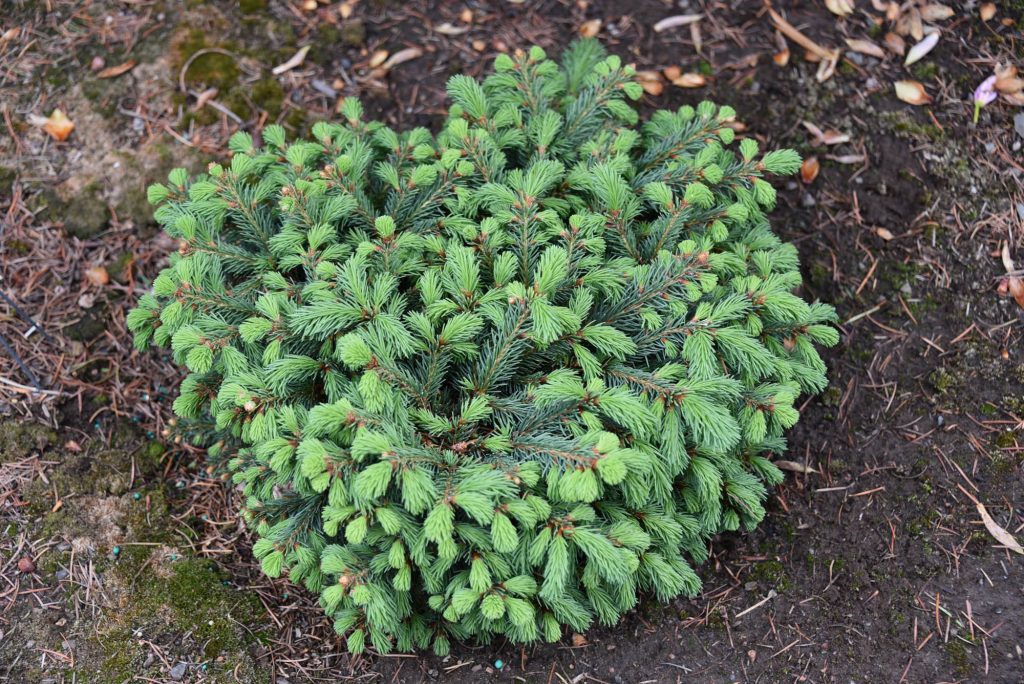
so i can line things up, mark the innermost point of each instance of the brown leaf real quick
(589, 29)
(111, 72)
(865, 47)
(297, 59)
(987, 11)
(651, 82)
(57, 125)
(829, 137)
(912, 92)
(97, 275)
(377, 58)
(1009, 85)
(1016, 289)
(400, 57)
(895, 44)
(809, 170)
(794, 467)
(1000, 535)
(936, 12)
(677, 20)
(690, 80)
(578, 640)
(842, 8)
(672, 72)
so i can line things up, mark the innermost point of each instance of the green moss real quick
(958, 656)
(942, 380)
(771, 573)
(925, 71)
(84, 216)
(212, 69)
(252, 6)
(18, 439)
(353, 33)
(903, 123)
(1005, 439)
(188, 596)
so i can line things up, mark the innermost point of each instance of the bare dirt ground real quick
(120, 558)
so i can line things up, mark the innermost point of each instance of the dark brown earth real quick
(873, 567)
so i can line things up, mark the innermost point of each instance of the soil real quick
(873, 564)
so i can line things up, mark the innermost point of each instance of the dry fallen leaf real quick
(651, 82)
(884, 233)
(936, 12)
(794, 467)
(677, 20)
(591, 28)
(296, 59)
(895, 44)
(406, 55)
(1000, 535)
(846, 158)
(1009, 85)
(205, 97)
(578, 640)
(809, 170)
(987, 11)
(865, 47)
(922, 48)
(781, 57)
(448, 30)
(97, 275)
(57, 125)
(111, 72)
(377, 58)
(672, 72)
(690, 80)
(829, 137)
(1015, 288)
(842, 8)
(72, 445)
(912, 92)
(697, 37)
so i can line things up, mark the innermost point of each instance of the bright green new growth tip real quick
(496, 381)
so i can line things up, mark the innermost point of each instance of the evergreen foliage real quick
(496, 381)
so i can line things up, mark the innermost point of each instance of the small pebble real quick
(97, 63)
(26, 565)
(178, 671)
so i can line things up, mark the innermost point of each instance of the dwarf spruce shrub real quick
(499, 380)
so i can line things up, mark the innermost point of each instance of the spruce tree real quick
(496, 381)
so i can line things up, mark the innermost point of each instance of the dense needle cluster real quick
(498, 380)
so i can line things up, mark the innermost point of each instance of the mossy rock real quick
(84, 215)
